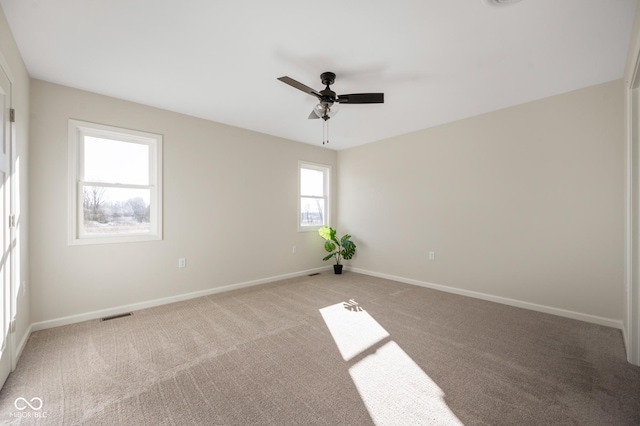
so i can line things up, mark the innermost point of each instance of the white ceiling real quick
(436, 61)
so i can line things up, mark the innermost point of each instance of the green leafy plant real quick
(342, 248)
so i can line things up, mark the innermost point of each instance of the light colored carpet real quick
(292, 353)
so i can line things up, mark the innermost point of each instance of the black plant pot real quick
(337, 269)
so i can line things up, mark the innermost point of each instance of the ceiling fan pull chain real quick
(325, 132)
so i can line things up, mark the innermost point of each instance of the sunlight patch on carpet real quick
(395, 390)
(354, 331)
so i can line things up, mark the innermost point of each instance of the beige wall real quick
(524, 203)
(230, 208)
(20, 102)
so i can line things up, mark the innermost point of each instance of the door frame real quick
(11, 339)
(631, 325)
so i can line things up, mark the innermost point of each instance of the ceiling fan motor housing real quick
(328, 95)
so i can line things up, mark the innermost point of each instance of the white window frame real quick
(326, 170)
(77, 131)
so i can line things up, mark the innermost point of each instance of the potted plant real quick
(339, 249)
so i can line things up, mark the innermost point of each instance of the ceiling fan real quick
(328, 105)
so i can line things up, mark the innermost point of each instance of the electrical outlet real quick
(23, 289)
(432, 255)
(182, 262)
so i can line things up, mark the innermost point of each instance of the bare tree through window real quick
(116, 184)
(94, 198)
(314, 195)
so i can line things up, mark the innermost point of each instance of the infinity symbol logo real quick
(37, 403)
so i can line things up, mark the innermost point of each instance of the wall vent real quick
(128, 314)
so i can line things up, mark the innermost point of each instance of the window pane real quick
(115, 210)
(311, 182)
(107, 160)
(311, 211)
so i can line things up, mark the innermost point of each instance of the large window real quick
(314, 196)
(115, 184)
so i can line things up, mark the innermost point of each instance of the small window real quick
(115, 184)
(314, 196)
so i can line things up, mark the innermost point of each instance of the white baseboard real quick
(505, 301)
(625, 339)
(72, 319)
(23, 342)
(21, 346)
(178, 298)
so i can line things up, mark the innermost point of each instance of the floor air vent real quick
(314, 274)
(128, 314)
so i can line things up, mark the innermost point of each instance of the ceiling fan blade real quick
(362, 98)
(293, 83)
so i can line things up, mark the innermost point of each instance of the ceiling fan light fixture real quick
(319, 110)
(325, 109)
